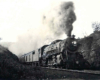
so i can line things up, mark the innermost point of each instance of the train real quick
(58, 54)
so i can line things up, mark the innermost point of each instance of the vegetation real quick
(96, 26)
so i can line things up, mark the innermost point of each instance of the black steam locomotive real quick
(60, 53)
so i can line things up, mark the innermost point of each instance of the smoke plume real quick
(61, 18)
(53, 24)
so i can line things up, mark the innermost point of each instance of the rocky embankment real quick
(12, 69)
(90, 49)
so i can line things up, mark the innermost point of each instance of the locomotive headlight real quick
(74, 43)
(77, 62)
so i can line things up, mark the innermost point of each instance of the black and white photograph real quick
(49, 39)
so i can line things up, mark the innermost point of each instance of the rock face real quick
(11, 68)
(90, 49)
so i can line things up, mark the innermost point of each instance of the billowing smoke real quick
(53, 24)
(61, 18)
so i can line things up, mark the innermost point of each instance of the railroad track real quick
(80, 71)
(56, 73)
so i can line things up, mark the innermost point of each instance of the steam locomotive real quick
(60, 53)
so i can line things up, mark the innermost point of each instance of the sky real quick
(21, 22)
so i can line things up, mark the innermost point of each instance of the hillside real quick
(11, 68)
(90, 49)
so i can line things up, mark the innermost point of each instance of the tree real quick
(96, 26)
